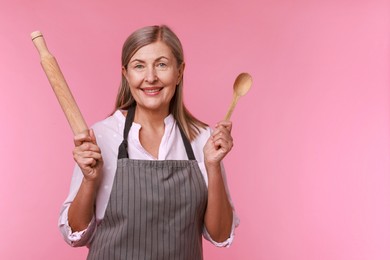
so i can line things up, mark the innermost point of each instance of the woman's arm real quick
(88, 156)
(219, 213)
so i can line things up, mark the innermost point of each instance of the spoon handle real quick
(232, 106)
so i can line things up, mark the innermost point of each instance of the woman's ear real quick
(181, 72)
(124, 73)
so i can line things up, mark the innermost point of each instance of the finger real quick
(224, 129)
(222, 133)
(227, 124)
(92, 135)
(222, 138)
(81, 138)
(83, 153)
(88, 146)
(87, 163)
(81, 156)
(223, 144)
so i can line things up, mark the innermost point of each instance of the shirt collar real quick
(168, 121)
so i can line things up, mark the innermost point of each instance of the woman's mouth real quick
(151, 91)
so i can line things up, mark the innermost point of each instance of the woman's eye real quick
(161, 65)
(139, 66)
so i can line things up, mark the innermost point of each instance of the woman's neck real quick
(152, 129)
(149, 118)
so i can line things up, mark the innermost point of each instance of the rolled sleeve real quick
(78, 238)
(227, 242)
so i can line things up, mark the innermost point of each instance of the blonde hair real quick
(133, 43)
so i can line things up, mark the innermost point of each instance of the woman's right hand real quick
(88, 156)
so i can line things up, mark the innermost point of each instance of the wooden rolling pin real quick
(59, 85)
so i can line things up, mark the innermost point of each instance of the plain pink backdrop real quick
(310, 170)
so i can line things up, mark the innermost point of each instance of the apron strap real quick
(187, 144)
(122, 153)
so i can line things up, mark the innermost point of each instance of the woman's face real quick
(152, 74)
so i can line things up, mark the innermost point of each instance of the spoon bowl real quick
(241, 86)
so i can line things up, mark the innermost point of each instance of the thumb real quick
(92, 135)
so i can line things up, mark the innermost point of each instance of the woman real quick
(154, 196)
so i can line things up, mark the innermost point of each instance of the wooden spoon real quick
(241, 86)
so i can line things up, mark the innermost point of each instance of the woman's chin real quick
(154, 106)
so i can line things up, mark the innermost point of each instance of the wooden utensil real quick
(59, 85)
(241, 86)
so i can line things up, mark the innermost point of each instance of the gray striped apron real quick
(156, 208)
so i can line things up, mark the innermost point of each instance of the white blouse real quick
(109, 135)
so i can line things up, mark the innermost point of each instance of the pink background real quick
(310, 171)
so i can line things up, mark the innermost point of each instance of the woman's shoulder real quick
(203, 135)
(114, 122)
(109, 133)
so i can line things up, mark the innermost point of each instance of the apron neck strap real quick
(122, 153)
(187, 144)
(123, 148)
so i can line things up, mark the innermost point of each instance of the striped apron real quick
(156, 208)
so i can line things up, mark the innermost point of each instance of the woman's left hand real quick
(219, 144)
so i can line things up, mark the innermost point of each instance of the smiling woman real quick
(153, 75)
(162, 184)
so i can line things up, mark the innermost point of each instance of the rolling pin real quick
(59, 85)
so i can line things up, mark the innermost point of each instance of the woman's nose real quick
(151, 75)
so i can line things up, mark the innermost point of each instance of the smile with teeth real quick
(151, 90)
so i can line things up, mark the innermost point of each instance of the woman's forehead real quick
(153, 51)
